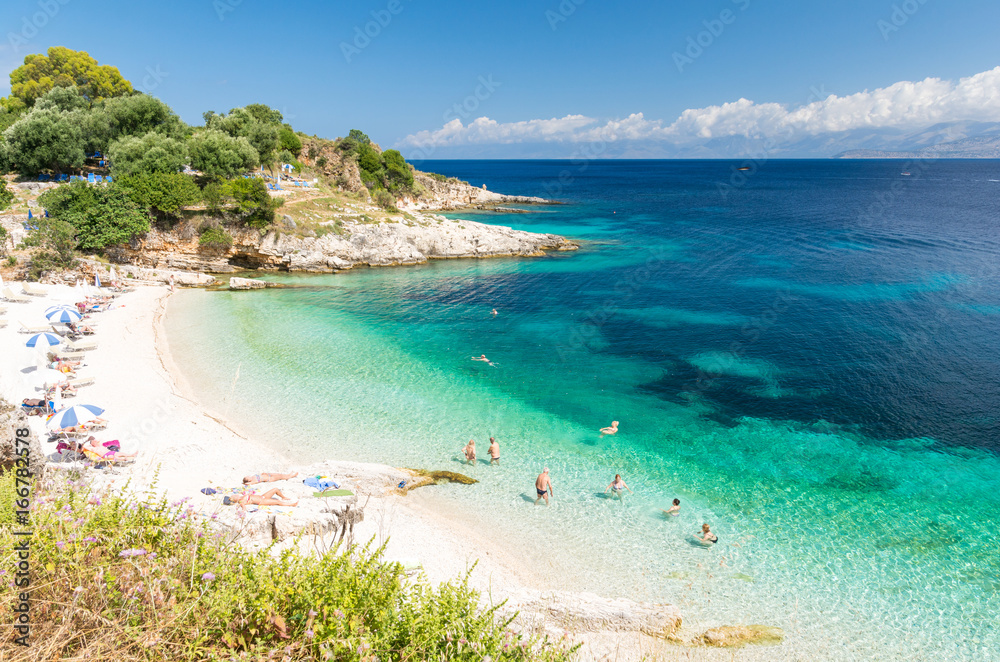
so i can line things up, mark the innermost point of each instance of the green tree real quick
(371, 167)
(264, 114)
(135, 115)
(289, 141)
(63, 67)
(398, 175)
(254, 204)
(219, 155)
(6, 195)
(153, 152)
(63, 99)
(55, 240)
(102, 215)
(44, 139)
(359, 136)
(163, 194)
(244, 123)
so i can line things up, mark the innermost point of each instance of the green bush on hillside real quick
(55, 241)
(138, 580)
(218, 154)
(215, 237)
(6, 195)
(162, 194)
(151, 153)
(102, 215)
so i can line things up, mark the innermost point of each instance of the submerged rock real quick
(249, 284)
(563, 611)
(733, 636)
(434, 477)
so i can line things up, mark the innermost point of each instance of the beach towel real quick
(321, 483)
(333, 493)
(208, 490)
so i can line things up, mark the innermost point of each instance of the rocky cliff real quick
(337, 246)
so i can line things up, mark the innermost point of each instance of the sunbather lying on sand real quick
(99, 449)
(267, 478)
(273, 497)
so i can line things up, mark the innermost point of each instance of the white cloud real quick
(904, 105)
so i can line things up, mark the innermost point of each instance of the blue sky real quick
(542, 60)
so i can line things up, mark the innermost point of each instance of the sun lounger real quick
(82, 380)
(3, 323)
(81, 345)
(34, 290)
(33, 329)
(14, 298)
(3, 309)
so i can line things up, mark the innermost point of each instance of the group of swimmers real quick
(470, 451)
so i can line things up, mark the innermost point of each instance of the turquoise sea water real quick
(808, 360)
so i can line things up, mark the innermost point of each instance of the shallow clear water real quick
(808, 360)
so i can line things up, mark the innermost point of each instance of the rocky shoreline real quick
(344, 246)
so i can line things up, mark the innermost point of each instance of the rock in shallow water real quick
(732, 636)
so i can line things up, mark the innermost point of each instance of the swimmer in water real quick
(611, 430)
(470, 451)
(617, 485)
(707, 535)
(494, 313)
(675, 509)
(483, 359)
(543, 485)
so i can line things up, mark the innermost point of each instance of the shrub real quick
(385, 200)
(6, 195)
(102, 215)
(216, 238)
(55, 241)
(359, 137)
(288, 140)
(219, 155)
(153, 152)
(254, 204)
(136, 579)
(164, 195)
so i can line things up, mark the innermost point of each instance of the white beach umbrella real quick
(73, 416)
(43, 340)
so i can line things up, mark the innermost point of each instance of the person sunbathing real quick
(267, 478)
(80, 329)
(104, 452)
(273, 497)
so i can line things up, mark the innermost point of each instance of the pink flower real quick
(310, 634)
(207, 577)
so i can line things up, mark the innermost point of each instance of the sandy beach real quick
(184, 446)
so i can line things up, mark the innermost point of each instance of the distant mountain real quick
(963, 139)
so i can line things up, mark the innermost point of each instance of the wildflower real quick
(60, 544)
(463, 641)
(310, 634)
(152, 555)
(89, 539)
(338, 614)
(311, 613)
(78, 589)
(207, 577)
(132, 552)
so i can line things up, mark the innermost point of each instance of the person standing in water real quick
(470, 451)
(494, 451)
(675, 509)
(707, 535)
(617, 485)
(543, 485)
(610, 430)
(494, 313)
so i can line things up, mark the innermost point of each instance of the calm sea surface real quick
(807, 354)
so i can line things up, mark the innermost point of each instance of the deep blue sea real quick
(806, 353)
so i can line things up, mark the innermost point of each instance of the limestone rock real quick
(563, 611)
(733, 636)
(249, 284)
(13, 419)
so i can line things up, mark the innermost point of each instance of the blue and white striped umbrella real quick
(73, 416)
(63, 316)
(61, 306)
(43, 340)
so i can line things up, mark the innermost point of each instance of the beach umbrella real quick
(43, 340)
(63, 316)
(73, 416)
(29, 215)
(97, 281)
